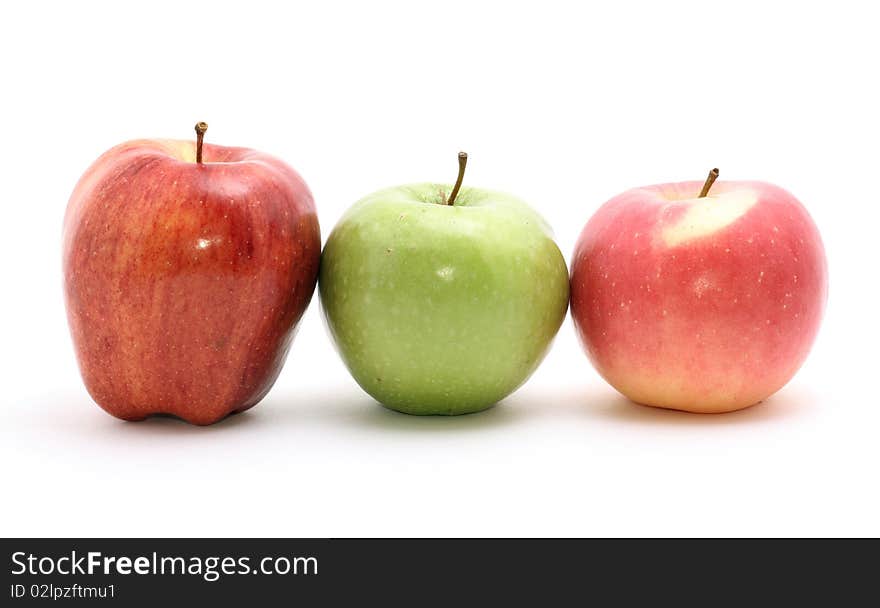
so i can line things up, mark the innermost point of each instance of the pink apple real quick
(186, 271)
(700, 304)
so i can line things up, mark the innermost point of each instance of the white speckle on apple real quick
(701, 284)
(446, 273)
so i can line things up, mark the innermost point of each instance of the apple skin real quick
(184, 282)
(703, 305)
(440, 309)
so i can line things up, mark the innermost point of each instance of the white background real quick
(561, 104)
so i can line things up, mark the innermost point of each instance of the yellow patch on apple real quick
(707, 215)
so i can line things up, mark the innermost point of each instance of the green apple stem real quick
(201, 127)
(462, 163)
(713, 175)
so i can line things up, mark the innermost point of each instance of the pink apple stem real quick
(713, 175)
(462, 163)
(201, 127)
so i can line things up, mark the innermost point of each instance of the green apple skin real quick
(439, 309)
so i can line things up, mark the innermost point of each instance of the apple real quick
(186, 270)
(439, 301)
(696, 302)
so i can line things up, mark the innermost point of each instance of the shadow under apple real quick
(605, 404)
(352, 408)
(380, 417)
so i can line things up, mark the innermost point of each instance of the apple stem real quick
(201, 127)
(713, 175)
(462, 163)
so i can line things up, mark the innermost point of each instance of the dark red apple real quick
(186, 271)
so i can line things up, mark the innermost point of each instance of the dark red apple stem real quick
(201, 127)
(713, 175)
(462, 163)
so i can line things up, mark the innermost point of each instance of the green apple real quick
(442, 304)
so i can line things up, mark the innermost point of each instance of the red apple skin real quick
(184, 282)
(712, 323)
